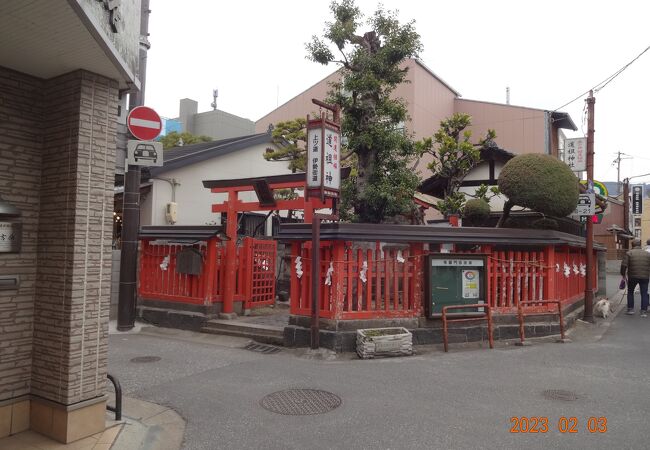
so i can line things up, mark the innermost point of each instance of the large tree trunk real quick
(365, 169)
(507, 206)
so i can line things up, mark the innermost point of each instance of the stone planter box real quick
(373, 342)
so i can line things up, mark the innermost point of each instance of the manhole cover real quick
(560, 394)
(262, 348)
(145, 359)
(300, 402)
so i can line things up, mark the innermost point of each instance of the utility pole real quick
(626, 209)
(589, 280)
(618, 172)
(617, 161)
(131, 207)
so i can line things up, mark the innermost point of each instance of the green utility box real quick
(455, 279)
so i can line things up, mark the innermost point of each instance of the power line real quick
(606, 81)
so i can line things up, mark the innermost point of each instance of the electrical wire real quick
(606, 81)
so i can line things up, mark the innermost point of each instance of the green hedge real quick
(540, 182)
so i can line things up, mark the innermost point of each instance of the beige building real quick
(216, 123)
(431, 100)
(64, 65)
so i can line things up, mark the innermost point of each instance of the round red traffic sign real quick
(144, 123)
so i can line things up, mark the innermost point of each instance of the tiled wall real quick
(72, 298)
(59, 149)
(20, 163)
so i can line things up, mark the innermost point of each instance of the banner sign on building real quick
(575, 154)
(323, 158)
(637, 199)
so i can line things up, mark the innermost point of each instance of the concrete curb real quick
(149, 426)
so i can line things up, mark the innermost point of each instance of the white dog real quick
(603, 308)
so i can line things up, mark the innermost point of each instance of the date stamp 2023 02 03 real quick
(542, 424)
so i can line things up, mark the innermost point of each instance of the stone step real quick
(261, 333)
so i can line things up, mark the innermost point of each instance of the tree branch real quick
(344, 157)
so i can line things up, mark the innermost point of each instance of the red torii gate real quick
(263, 187)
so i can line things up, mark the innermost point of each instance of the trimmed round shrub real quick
(542, 183)
(476, 210)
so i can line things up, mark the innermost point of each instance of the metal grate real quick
(262, 348)
(301, 402)
(145, 359)
(560, 394)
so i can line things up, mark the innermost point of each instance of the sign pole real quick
(129, 250)
(131, 206)
(315, 278)
(323, 150)
(589, 280)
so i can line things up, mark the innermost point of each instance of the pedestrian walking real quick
(647, 247)
(636, 266)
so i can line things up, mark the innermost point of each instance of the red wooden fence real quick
(392, 287)
(254, 278)
(395, 289)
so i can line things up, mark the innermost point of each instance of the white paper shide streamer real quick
(298, 266)
(328, 275)
(567, 270)
(400, 258)
(164, 263)
(363, 271)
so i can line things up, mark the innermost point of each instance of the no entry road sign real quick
(144, 123)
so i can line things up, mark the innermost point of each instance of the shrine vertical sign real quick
(323, 158)
(323, 179)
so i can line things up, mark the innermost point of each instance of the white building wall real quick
(482, 172)
(194, 201)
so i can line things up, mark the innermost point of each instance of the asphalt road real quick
(464, 399)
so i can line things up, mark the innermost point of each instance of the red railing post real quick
(486, 316)
(338, 295)
(419, 273)
(210, 271)
(144, 274)
(246, 266)
(230, 278)
(294, 290)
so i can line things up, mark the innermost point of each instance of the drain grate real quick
(560, 394)
(301, 402)
(262, 348)
(145, 359)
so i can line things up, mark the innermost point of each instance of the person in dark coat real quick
(636, 267)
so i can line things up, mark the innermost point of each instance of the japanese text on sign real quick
(332, 164)
(637, 199)
(457, 262)
(575, 154)
(329, 154)
(470, 284)
(314, 158)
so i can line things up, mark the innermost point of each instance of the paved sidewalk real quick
(145, 425)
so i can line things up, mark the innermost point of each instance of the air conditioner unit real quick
(171, 212)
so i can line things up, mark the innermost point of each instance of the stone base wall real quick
(62, 423)
(341, 336)
(185, 316)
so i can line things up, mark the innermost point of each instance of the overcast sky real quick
(547, 52)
